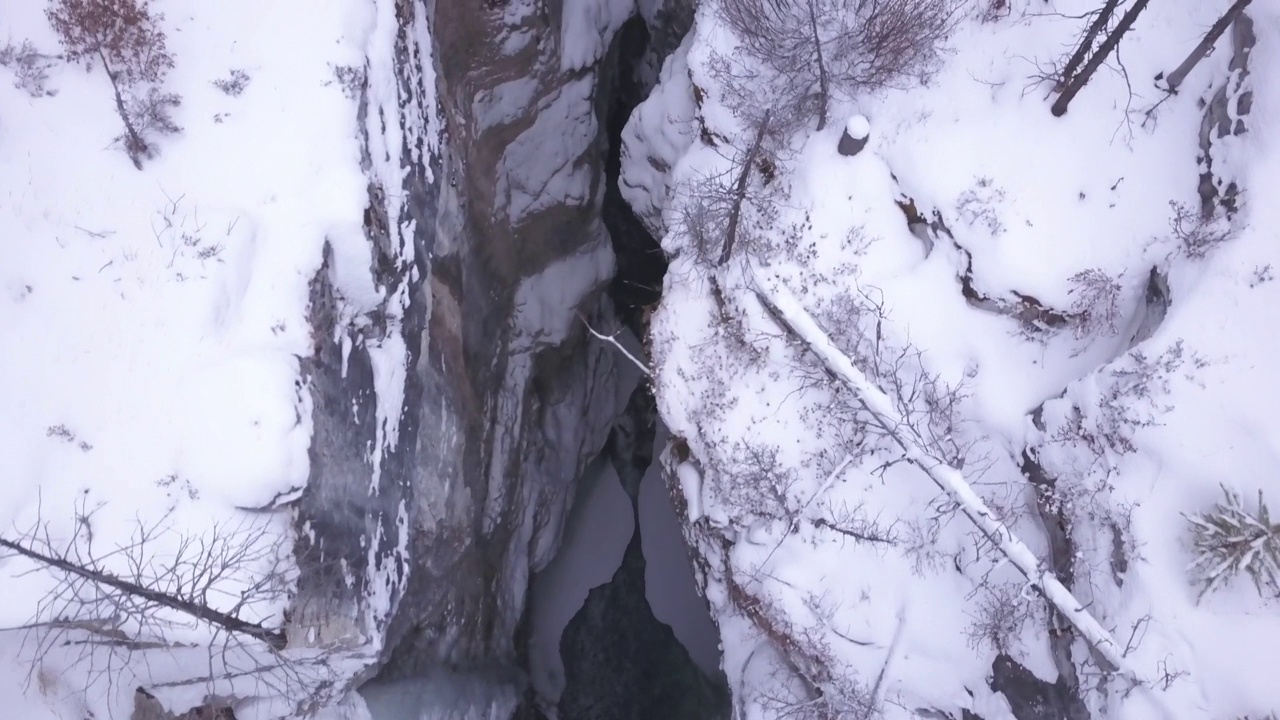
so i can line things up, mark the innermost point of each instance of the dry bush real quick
(234, 84)
(1133, 396)
(813, 49)
(1196, 234)
(126, 38)
(1095, 303)
(1003, 612)
(30, 67)
(1231, 540)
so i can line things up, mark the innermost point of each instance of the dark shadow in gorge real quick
(620, 661)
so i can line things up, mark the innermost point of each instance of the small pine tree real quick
(126, 37)
(1230, 539)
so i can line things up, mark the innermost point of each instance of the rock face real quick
(451, 422)
(615, 635)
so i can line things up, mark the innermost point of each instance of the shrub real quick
(30, 67)
(1231, 539)
(234, 83)
(126, 38)
(1095, 303)
(1197, 235)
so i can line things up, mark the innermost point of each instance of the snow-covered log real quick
(881, 408)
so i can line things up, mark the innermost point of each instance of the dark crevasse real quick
(641, 262)
(619, 660)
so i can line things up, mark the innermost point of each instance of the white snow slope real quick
(152, 320)
(905, 618)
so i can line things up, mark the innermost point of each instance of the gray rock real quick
(615, 638)
(1031, 698)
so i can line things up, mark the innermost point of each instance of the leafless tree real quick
(720, 212)
(922, 447)
(154, 592)
(1095, 303)
(1085, 47)
(125, 36)
(1073, 84)
(1198, 235)
(1174, 80)
(814, 48)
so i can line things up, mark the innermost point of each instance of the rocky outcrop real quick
(615, 635)
(422, 522)
(452, 418)
(1224, 120)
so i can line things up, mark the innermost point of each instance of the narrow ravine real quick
(612, 625)
(619, 630)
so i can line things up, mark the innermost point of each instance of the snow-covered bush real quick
(1095, 303)
(126, 38)
(1131, 397)
(816, 48)
(1196, 234)
(1231, 539)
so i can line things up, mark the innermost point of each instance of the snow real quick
(587, 27)
(543, 166)
(858, 127)
(155, 318)
(1031, 201)
(656, 135)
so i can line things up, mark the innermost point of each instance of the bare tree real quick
(717, 209)
(126, 38)
(1084, 49)
(1076, 83)
(157, 591)
(817, 47)
(1174, 80)
(740, 189)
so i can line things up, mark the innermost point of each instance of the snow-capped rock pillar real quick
(856, 133)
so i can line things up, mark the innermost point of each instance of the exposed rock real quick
(1156, 302)
(1224, 119)
(1031, 698)
(147, 707)
(615, 635)
(421, 524)
(492, 249)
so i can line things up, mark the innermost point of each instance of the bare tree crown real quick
(817, 47)
(126, 37)
(123, 34)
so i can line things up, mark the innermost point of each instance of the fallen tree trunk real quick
(806, 329)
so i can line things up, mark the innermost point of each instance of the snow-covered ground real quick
(1031, 201)
(152, 321)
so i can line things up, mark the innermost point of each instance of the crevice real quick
(641, 264)
(618, 658)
